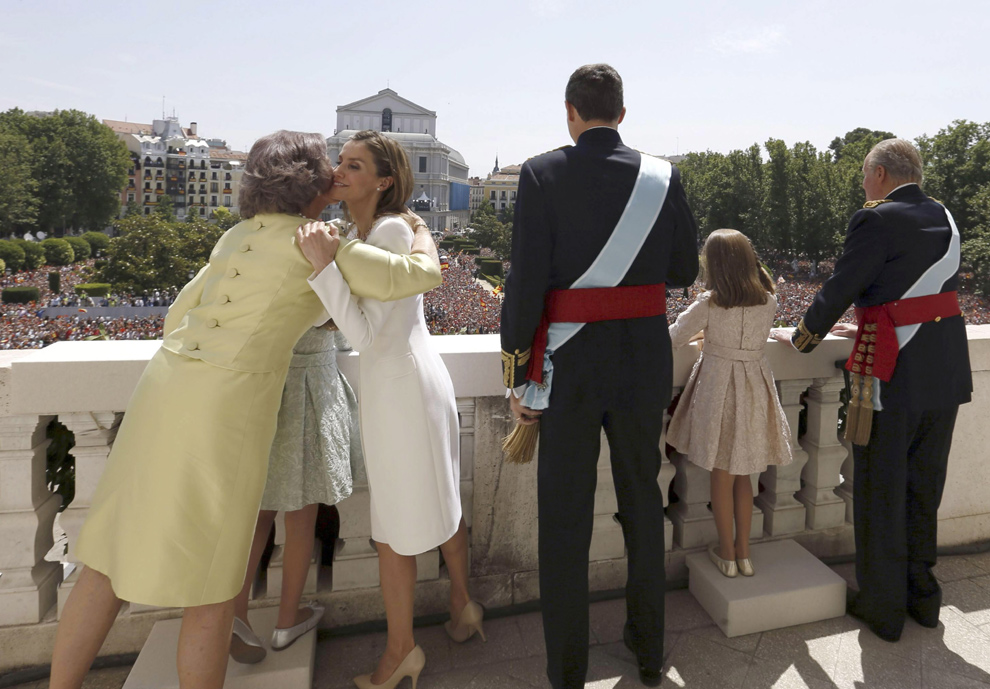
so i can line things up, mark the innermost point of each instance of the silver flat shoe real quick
(745, 566)
(726, 567)
(283, 638)
(245, 646)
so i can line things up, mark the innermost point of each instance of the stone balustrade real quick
(86, 386)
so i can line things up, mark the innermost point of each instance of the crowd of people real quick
(462, 305)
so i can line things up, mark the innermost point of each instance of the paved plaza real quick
(838, 653)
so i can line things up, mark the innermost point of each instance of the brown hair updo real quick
(285, 171)
(390, 161)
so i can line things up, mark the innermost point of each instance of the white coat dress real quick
(408, 412)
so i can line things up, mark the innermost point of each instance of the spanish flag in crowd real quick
(444, 265)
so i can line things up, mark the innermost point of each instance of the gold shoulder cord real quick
(874, 204)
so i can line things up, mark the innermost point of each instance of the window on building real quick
(130, 197)
(158, 185)
(503, 195)
(493, 195)
(422, 163)
(513, 196)
(147, 211)
(202, 211)
(226, 200)
(215, 176)
(202, 199)
(213, 200)
(387, 120)
(214, 187)
(147, 198)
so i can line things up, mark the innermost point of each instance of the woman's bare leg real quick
(743, 493)
(455, 556)
(296, 558)
(398, 576)
(86, 620)
(204, 642)
(265, 520)
(722, 488)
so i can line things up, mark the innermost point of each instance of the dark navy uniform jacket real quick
(887, 248)
(569, 202)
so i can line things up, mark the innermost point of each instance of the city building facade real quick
(441, 192)
(198, 175)
(501, 186)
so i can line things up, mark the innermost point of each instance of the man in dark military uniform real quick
(614, 373)
(911, 372)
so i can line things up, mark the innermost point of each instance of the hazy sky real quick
(698, 75)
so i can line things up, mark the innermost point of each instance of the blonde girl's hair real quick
(732, 272)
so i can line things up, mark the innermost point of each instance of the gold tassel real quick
(852, 411)
(865, 420)
(520, 445)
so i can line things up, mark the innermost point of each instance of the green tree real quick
(852, 145)
(957, 167)
(97, 241)
(165, 208)
(224, 219)
(777, 199)
(814, 207)
(976, 249)
(133, 208)
(18, 189)
(34, 255)
(81, 250)
(58, 252)
(11, 254)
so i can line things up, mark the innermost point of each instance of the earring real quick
(379, 189)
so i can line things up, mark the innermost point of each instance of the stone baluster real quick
(694, 524)
(845, 489)
(28, 583)
(825, 455)
(782, 512)
(94, 432)
(664, 479)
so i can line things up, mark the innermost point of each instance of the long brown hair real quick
(390, 161)
(732, 272)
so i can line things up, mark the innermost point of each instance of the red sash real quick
(876, 348)
(589, 306)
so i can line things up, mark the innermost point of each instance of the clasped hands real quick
(319, 241)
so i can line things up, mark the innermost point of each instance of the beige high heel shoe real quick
(410, 667)
(469, 623)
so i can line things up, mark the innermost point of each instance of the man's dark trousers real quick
(583, 402)
(897, 487)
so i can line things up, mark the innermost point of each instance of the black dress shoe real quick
(925, 611)
(887, 632)
(650, 678)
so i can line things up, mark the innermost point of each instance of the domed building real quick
(441, 194)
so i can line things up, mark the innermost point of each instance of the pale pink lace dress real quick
(729, 416)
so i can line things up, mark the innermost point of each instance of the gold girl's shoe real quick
(468, 624)
(726, 567)
(410, 666)
(745, 566)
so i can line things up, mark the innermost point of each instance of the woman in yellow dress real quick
(173, 516)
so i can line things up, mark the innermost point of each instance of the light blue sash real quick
(929, 283)
(611, 265)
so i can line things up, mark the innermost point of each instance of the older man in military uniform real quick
(910, 370)
(599, 229)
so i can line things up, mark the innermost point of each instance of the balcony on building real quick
(86, 387)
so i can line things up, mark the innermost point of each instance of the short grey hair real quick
(285, 171)
(899, 158)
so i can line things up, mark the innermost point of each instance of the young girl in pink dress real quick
(729, 419)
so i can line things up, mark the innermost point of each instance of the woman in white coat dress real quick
(408, 414)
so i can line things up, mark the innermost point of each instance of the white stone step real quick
(288, 669)
(791, 587)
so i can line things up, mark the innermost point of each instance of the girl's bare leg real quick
(88, 615)
(296, 558)
(722, 508)
(743, 493)
(265, 520)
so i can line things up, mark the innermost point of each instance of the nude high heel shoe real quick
(469, 623)
(410, 667)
